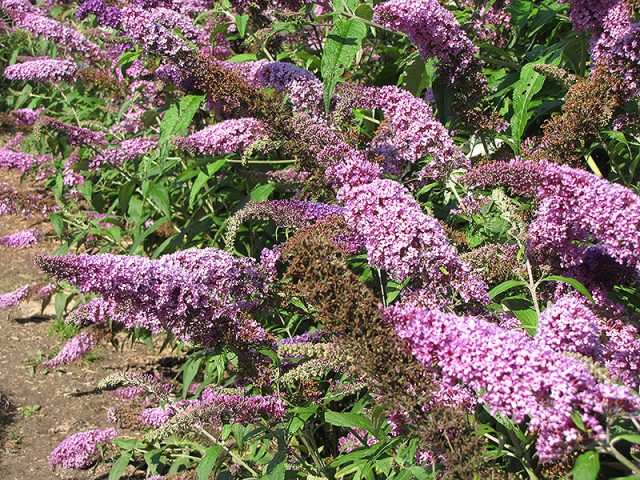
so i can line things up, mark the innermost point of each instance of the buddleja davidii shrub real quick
(397, 235)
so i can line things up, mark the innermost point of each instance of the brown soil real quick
(67, 397)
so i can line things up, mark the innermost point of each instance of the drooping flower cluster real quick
(22, 239)
(73, 350)
(26, 204)
(410, 131)
(75, 135)
(60, 35)
(42, 70)
(617, 46)
(302, 87)
(126, 150)
(433, 29)
(107, 15)
(143, 28)
(515, 376)
(233, 406)
(407, 243)
(81, 449)
(19, 161)
(11, 299)
(26, 117)
(285, 213)
(229, 136)
(574, 206)
(569, 326)
(186, 293)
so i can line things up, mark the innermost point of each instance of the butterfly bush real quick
(11, 299)
(73, 350)
(183, 293)
(81, 449)
(19, 161)
(569, 326)
(574, 206)
(358, 175)
(433, 29)
(75, 135)
(50, 70)
(229, 136)
(107, 15)
(515, 376)
(63, 36)
(407, 243)
(236, 407)
(22, 239)
(410, 132)
(126, 150)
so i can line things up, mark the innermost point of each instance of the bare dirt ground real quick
(38, 409)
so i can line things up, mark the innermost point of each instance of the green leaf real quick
(124, 196)
(201, 181)
(189, 372)
(177, 119)
(523, 310)
(349, 420)
(205, 467)
(504, 286)
(277, 473)
(58, 223)
(629, 437)
(261, 192)
(524, 90)
(340, 48)
(119, 466)
(364, 11)
(241, 23)
(587, 466)
(571, 281)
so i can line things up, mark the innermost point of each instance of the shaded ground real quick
(38, 409)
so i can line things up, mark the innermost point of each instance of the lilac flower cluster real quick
(126, 150)
(285, 213)
(26, 117)
(107, 15)
(13, 202)
(201, 296)
(143, 28)
(234, 407)
(569, 326)
(11, 299)
(229, 136)
(433, 29)
(574, 206)
(410, 131)
(405, 242)
(172, 19)
(22, 239)
(19, 161)
(60, 35)
(75, 135)
(302, 87)
(49, 70)
(81, 449)
(73, 350)
(46, 291)
(589, 15)
(617, 46)
(515, 376)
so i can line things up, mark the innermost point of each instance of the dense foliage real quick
(397, 239)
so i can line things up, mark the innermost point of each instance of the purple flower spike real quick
(42, 70)
(81, 449)
(75, 348)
